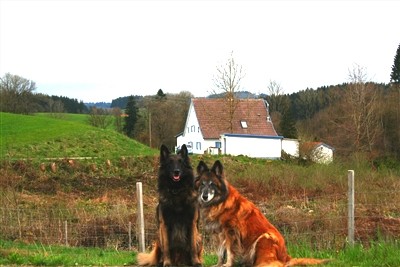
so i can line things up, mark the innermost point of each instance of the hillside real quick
(43, 136)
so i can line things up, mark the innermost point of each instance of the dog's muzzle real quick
(176, 176)
(207, 196)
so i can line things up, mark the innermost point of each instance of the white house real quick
(248, 131)
(317, 151)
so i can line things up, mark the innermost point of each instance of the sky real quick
(97, 51)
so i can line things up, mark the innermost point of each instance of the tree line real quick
(18, 96)
(358, 116)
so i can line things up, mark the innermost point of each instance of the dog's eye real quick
(207, 183)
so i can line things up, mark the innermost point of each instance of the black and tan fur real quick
(177, 214)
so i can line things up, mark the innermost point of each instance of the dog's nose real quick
(177, 172)
(204, 197)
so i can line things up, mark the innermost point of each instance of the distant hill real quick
(98, 104)
(25, 136)
(121, 102)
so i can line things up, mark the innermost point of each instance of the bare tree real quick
(16, 93)
(99, 117)
(227, 81)
(360, 117)
(274, 88)
(117, 113)
(162, 118)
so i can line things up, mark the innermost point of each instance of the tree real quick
(358, 117)
(395, 75)
(160, 94)
(99, 117)
(131, 111)
(287, 125)
(393, 116)
(117, 113)
(16, 94)
(227, 81)
(280, 110)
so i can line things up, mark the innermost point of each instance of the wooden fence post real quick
(350, 235)
(130, 236)
(66, 232)
(140, 216)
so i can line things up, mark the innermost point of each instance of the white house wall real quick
(252, 146)
(290, 146)
(192, 134)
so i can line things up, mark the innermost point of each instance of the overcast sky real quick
(101, 50)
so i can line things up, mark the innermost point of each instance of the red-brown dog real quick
(243, 231)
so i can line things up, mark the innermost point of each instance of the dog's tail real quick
(150, 259)
(305, 261)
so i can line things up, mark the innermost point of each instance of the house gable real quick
(191, 134)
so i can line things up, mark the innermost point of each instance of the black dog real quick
(179, 241)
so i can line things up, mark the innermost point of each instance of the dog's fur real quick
(244, 233)
(177, 214)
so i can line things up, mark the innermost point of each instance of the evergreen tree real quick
(395, 75)
(287, 125)
(160, 94)
(131, 111)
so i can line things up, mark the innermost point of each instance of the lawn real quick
(15, 253)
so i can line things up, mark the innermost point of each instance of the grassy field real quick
(43, 136)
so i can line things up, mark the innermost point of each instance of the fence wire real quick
(320, 222)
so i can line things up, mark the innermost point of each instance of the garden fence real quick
(332, 223)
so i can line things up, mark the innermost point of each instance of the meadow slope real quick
(43, 136)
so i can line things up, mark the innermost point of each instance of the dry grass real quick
(307, 203)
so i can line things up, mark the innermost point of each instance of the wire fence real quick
(321, 222)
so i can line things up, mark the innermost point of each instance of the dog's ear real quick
(217, 168)
(201, 168)
(184, 152)
(164, 153)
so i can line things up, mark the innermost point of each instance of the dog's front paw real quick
(167, 264)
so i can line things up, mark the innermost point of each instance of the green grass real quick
(43, 136)
(39, 255)
(81, 118)
(377, 254)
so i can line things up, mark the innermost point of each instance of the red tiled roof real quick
(213, 116)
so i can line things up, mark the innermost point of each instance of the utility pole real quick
(150, 128)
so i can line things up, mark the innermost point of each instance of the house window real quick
(188, 129)
(198, 145)
(198, 129)
(218, 144)
(192, 128)
(244, 124)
